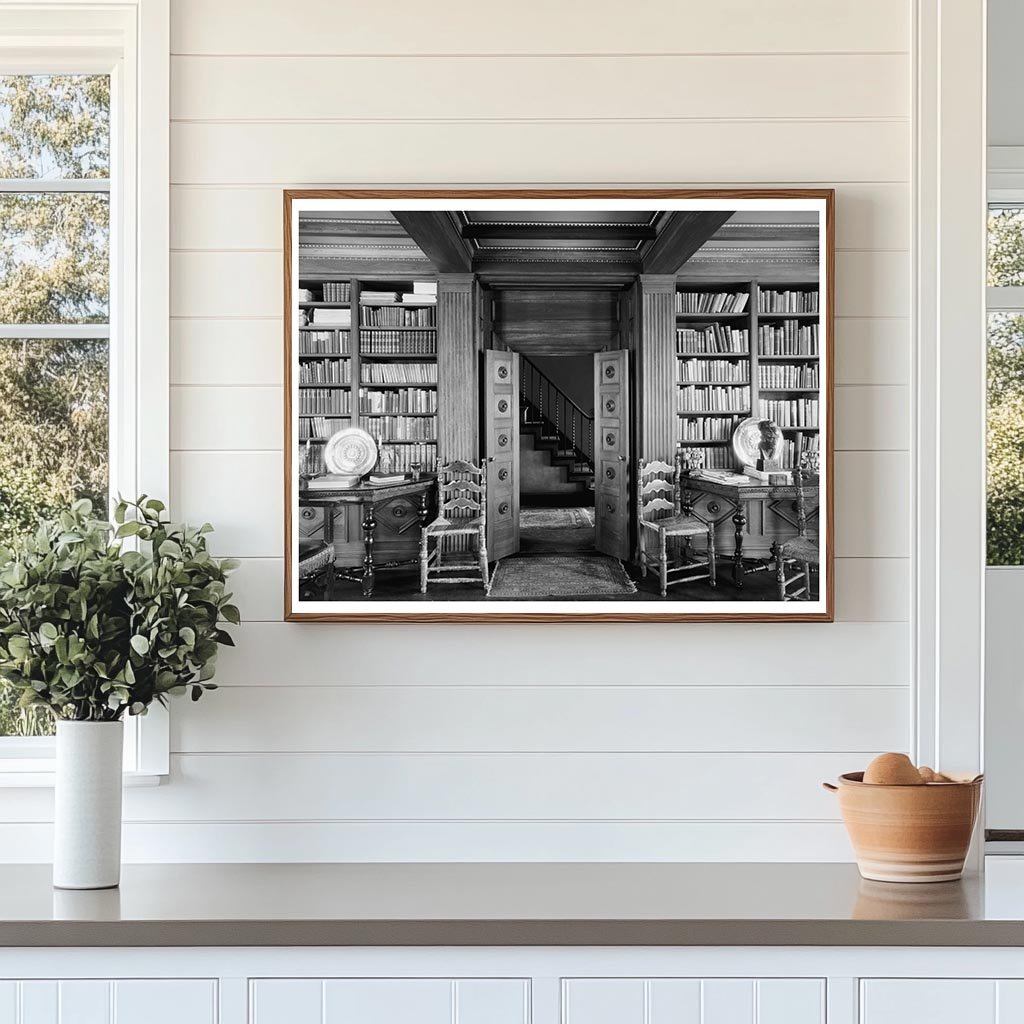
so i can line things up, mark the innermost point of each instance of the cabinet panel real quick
(929, 1001)
(83, 1002)
(387, 1002)
(278, 1001)
(694, 1001)
(164, 1002)
(492, 1002)
(149, 1001)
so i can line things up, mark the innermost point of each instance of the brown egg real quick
(892, 770)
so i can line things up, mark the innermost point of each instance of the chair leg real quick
(780, 576)
(807, 581)
(712, 563)
(329, 580)
(663, 562)
(483, 559)
(643, 554)
(424, 557)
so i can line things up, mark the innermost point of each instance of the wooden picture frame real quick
(486, 270)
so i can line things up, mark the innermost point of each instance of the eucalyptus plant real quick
(100, 619)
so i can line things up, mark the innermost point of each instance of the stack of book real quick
(370, 297)
(422, 291)
(335, 317)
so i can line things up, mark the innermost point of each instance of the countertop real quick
(650, 904)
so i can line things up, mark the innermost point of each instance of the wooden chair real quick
(460, 527)
(317, 573)
(664, 515)
(802, 552)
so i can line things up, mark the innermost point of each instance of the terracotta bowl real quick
(909, 833)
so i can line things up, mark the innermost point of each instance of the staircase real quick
(556, 444)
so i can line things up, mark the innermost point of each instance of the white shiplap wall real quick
(339, 742)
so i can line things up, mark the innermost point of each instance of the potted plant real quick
(99, 620)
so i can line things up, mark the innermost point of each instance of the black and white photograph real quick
(579, 405)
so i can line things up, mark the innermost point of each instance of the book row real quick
(324, 402)
(401, 428)
(719, 458)
(711, 302)
(711, 339)
(789, 338)
(787, 375)
(718, 371)
(403, 458)
(325, 371)
(324, 343)
(793, 412)
(713, 399)
(320, 427)
(769, 301)
(408, 400)
(337, 291)
(398, 343)
(789, 455)
(400, 373)
(710, 428)
(396, 316)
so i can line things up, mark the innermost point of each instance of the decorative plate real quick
(350, 452)
(751, 440)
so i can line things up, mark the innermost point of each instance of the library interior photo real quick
(558, 405)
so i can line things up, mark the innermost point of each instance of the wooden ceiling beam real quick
(683, 233)
(437, 234)
(588, 234)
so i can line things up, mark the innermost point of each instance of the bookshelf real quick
(368, 358)
(747, 348)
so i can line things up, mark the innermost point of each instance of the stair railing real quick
(572, 426)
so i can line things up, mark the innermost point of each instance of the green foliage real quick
(92, 630)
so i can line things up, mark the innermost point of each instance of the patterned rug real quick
(556, 518)
(568, 577)
(556, 531)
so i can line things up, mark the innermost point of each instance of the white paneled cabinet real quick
(389, 1001)
(96, 1001)
(693, 1001)
(942, 1001)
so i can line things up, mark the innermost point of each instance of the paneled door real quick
(501, 452)
(611, 452)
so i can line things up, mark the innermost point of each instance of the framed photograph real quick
(512, 405)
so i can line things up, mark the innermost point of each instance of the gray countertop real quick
(652, 904)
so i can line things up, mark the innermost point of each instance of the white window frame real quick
(130, 41)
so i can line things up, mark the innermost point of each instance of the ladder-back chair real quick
(459, 532)
(664, 516)
(802, 552)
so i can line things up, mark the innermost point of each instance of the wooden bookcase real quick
(385, 362)
(733, 362)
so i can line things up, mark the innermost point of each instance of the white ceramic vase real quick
(87, 813)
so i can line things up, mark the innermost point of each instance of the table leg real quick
(739, 519)
(369, 527)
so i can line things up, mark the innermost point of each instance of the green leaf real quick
(49, 632)
(170, 549)
(129, 529)
(231, 613)
(140, 645)
(188, 634)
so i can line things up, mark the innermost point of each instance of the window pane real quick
(54, 126)
(1005, 246)
(54, 257)
(1005, 439)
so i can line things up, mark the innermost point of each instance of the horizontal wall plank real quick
(873, 589)
(273, 654)
(240, 351)
(867, 589)
(872, 418)
(317, 787)
(540, 88)
(217, 284)
(522, 152)
(872, 351)
(872, 504)
(872, 283)
(534, 26)
(211, 217)
(239, 492)
(444, 842)
(390, 719)
(212, 352)
(227, 418)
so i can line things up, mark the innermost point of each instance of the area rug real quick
(556, 531)
(556, 518)
(570, 577)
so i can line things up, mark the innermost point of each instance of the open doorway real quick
(556, 454)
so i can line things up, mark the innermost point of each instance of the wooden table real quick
(741, 495)
(369, 498)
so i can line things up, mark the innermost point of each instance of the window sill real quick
(44, 778)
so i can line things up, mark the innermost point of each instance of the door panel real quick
(501, 452)
(611, 446)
